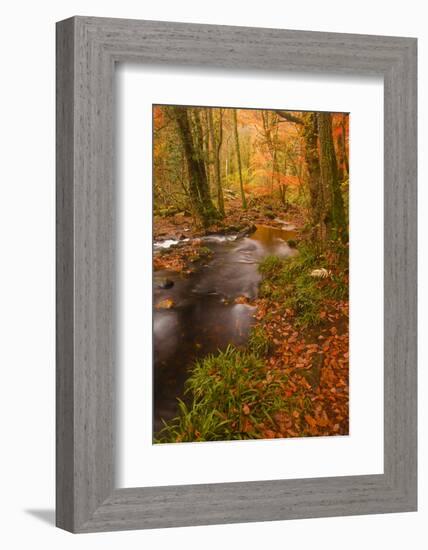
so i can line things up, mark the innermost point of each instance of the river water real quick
(205, 318)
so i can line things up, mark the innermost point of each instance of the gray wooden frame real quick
(87, 50)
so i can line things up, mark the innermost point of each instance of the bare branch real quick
(289, 117)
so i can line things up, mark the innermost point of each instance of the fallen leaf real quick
(311, 421)
(323, 422)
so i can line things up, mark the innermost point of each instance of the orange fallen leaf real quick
(311, 421)
(246, 409)
(323, 422)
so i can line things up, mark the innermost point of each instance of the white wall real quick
(27, 271)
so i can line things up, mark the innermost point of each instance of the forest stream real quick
(209, 310)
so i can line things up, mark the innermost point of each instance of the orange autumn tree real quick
(205, 156)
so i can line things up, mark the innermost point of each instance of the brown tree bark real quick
(270, 128)
(198, 183)
(316, 191)
(343, 143)
(238, 155)
(336, 218)
(309, 128)
(216, 141)
(206, 148)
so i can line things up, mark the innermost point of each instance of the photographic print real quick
(250, 274)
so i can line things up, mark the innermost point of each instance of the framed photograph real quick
(236, 274)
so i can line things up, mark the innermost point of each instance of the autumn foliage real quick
(226, 172)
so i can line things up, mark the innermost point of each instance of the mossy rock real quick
(204, 252)
(165, 283)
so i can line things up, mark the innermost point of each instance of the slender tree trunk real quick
(343, 143)
(238, 155)
(283, 186)
(206, 147)
(339, 156)
(273, 172)
(336, 219)
(267, 132)
(316, 192)
(271, 145)
(275, 154)
(340, 148)
(216, 145)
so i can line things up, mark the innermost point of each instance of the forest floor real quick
(259, 210)
(294, 374)
(181, 227)
(311, 357)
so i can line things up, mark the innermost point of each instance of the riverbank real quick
(292, 377)
(303, 316)
(260, 210)
(180, 244)
(198, 313)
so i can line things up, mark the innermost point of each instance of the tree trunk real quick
(198, 184)
(316, 194)
(200, 143)
(206, 148)
(270, 126)
(216, 146)
(343, 143)
(308, 123)
(238, 155)
(283, 186)
(336, 219)
(275, 167)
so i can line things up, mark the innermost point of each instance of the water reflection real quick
(205, 318)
